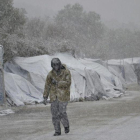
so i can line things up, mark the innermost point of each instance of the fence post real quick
(2, 86)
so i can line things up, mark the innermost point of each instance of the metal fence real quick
(2, 87)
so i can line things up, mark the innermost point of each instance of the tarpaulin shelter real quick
(125, 70)
(135, 62)
(26, 76)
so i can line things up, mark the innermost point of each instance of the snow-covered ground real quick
(117, 118)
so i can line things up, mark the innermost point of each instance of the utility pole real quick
(2, 86)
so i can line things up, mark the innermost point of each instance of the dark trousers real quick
(58, 110)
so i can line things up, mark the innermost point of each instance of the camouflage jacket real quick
(62, 89)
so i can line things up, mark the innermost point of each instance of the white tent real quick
(88, 78)
(125, 70)
(134, 60)
(20, 91)
(110, 82)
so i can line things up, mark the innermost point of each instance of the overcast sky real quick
(123, 11)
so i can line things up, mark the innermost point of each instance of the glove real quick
(45, 100)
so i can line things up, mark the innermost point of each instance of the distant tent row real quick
(91, 79)
(128, 69)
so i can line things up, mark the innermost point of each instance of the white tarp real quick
(94, 60)
(20, 91)
(94, 85)
(28, 74)
(107, 78)
(78, 85)
(125, 69)
(134, 60)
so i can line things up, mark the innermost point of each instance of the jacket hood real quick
(63, 66)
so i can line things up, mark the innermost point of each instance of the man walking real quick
(57, 87)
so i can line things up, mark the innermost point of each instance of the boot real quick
(57, 133)
(67, 130)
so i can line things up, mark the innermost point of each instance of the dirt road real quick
(115, 119)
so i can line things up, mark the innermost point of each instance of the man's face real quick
(56, 66)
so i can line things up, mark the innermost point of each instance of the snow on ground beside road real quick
(6, 112)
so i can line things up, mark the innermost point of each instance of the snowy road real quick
(116, 119)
